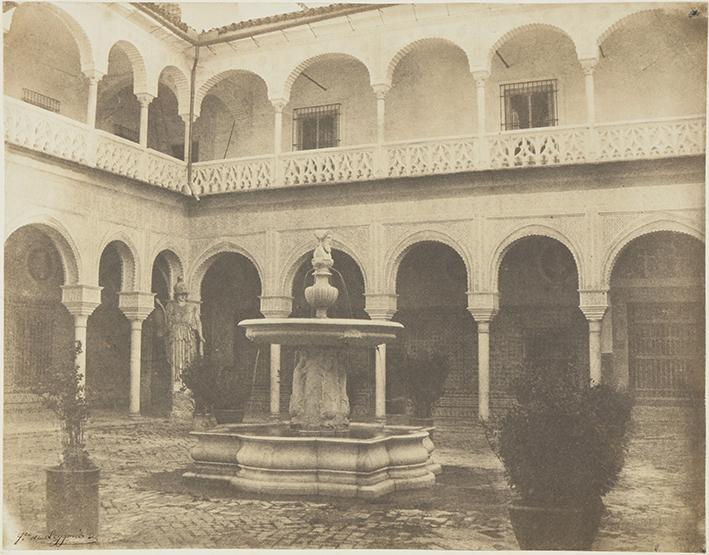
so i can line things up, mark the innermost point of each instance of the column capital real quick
(480, 76)
(380, 306)
(278, 103)
(93, 75)
(185, 117)
(593, 303)
(81, 300)
(381, 90)
(588, 65)
(276, 306)
(483, 305)
(144, 98)
(136, 305)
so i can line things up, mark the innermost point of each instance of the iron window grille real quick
(316, 127)
(43, 101)
(530, 104)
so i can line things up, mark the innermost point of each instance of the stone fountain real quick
(319, 452)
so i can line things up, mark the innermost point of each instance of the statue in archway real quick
(185, 340)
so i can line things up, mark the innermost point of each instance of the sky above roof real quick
(207, 15)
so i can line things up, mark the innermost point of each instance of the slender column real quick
(81, 301)
(275, 381)
(588, 65)
(484, 369)
(278, 105)
(276, 306)
(380, 91)
(484, 310)
(594, 350)
(380, 306)
(480, 80)
(94, 78)
(593, 304)
(136, 328)
(80, 326)
(380, 381)
(145, 99)
(137, 306)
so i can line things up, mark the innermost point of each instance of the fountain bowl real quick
(367, 461)
(345, 332)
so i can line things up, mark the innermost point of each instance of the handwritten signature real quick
(53, 538)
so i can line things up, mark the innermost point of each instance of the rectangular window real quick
(41, 100)
(316, 127)
(527, 105)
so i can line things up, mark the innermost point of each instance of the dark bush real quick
(561, 442)
(425, 375)
(214, 387)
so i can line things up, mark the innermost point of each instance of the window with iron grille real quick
(527, 105)
(41, 100)
(316, 127)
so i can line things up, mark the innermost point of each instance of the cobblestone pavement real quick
(658, 504)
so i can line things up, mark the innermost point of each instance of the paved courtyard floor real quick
(658, 504)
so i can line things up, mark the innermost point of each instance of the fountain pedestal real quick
(319, 400)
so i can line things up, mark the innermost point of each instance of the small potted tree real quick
(563, 448)
(425, 375)
(229, 399)
(72, 485)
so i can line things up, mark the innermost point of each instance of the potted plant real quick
(563, 448)
(229, 399)
(215, 392)
(72, 485)
(424, 374)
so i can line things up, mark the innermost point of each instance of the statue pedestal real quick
(319, 398)
(182, 406)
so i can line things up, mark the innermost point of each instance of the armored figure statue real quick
(185, 340)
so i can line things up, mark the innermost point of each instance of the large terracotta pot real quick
(72, 505)
(562, 527)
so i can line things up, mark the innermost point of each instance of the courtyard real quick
(658, 504)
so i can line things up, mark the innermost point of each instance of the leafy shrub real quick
(425, 375)
(213, 387)
(61, 391)
(561, 442)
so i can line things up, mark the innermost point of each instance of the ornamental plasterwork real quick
(509, 230)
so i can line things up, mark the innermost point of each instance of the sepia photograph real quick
(418, 276)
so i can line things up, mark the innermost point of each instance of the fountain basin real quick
(321, 331)
(366, 461)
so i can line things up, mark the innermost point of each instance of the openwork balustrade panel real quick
(119, 156)
(167, 172)
(331, 166)
(432, 157)
(549, 147)
(237, 175)
(635, 140)
(43, 131)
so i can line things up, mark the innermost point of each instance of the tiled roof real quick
(167, 12)
(260, 24)
(333, 9)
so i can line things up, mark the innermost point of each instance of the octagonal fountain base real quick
(367, 461)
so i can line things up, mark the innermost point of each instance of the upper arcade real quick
(353, 92)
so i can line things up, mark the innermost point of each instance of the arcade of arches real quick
(652, 337)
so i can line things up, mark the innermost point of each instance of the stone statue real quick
(322, 255)
(185, 340)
